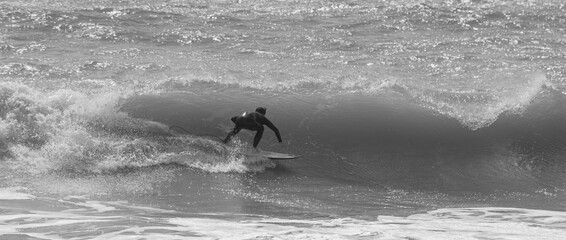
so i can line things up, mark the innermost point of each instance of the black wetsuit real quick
(252, 121)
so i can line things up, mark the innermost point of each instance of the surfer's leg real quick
(231, 135)
(258, 135)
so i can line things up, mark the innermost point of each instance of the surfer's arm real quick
(273, 128)
(231, 134)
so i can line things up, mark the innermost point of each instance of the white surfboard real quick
(278, 156)
(273, 155)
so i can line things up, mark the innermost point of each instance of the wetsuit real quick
(252, 121)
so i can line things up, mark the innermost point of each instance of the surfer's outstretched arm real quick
(231, 134)
(270, 125)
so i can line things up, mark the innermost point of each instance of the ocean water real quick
(415, 119)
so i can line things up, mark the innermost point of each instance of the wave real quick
(387, 138)
(390, 134)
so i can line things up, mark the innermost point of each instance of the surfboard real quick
(273, 155)
(278, 156)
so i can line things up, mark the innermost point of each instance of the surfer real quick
(253, 121)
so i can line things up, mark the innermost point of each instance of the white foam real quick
(76, 132)
(120, 220)
(13, 194)
(96, 205)
(473, 223)
(211, 156)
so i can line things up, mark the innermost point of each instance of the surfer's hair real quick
(261, 110)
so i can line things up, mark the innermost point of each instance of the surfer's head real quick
(261, 110)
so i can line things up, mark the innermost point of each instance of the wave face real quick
(387, 140)
(457, 97)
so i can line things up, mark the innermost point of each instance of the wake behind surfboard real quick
(179, 131)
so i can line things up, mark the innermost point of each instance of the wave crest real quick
(479, 108)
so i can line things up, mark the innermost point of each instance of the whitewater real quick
(415, 119)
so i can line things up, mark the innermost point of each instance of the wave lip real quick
(474, 108)
(478, 108)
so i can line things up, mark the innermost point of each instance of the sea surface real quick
(415, 119)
